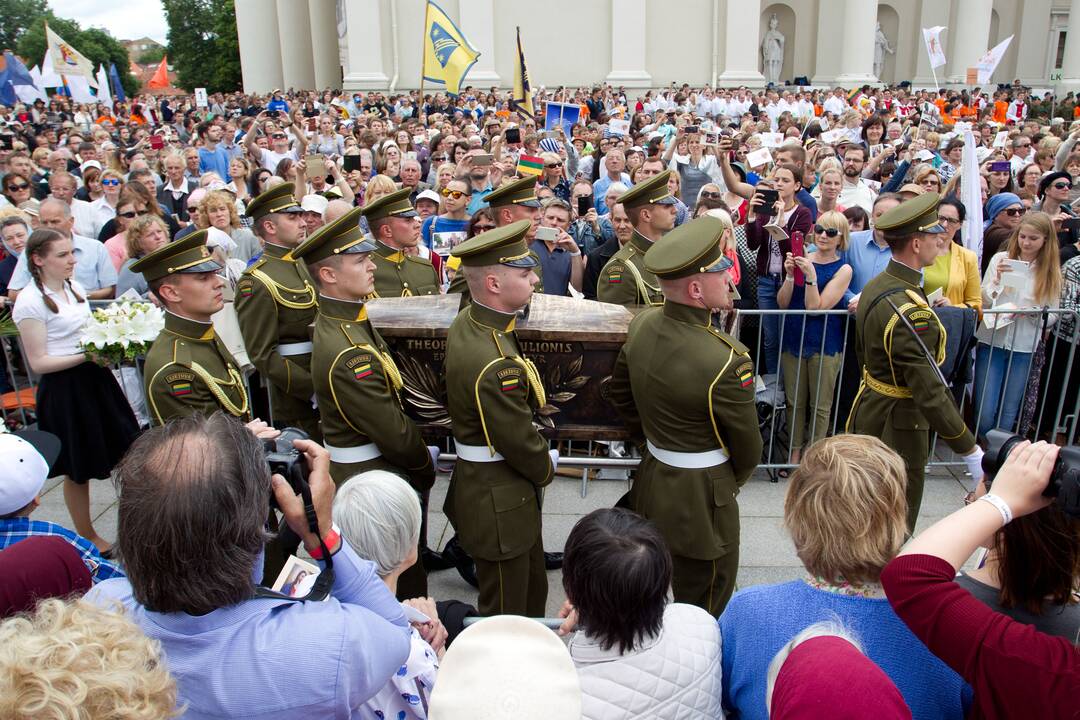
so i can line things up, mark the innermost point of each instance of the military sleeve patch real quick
(245, 287)
(921, 320)
(745, 373)
(180, 388)
(362, 371)
(614, 275)
(509, 379)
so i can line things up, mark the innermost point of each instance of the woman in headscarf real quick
(1002, 216)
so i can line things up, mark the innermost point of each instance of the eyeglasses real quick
(1024, 145)
(453, 194)
(552, 166)
(711, 195)
(943, 219)
(110, 182)
(1061, 186)
(129, 214)
(20, 186)
(483, 228)
(278, 136)
(1015, 212)
(827, 232)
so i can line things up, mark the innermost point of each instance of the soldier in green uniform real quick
(625, 280)
(686, 393)
(395, 225)
(900, 343)
(356, 381)
(188, 369)
(509, 203)
(275, 304)
(495, 493)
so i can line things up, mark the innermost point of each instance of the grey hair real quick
(63, 207)
(825, 628)
(379, 516)
(616, 187)
(194, 497)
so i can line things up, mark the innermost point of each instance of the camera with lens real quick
(1064, 482)
(285, 460)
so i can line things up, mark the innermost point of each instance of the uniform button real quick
(405, 284)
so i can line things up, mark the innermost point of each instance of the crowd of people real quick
(251, 211)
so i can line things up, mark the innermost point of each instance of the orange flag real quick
(161, 77)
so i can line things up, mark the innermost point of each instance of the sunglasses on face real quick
(552, 166)
(110, 182)
(20, 186)
(711, 195)
(1061, 185)
(1015, 212)
(453, 194)
(827, 232)
(483, 228)
(278, 137)
(130, 214)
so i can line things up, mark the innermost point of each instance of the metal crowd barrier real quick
(1051, 396)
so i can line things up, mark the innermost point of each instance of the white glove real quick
(554, 455)
(973, 460)
(434, 452)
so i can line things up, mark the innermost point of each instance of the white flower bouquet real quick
(122, 331)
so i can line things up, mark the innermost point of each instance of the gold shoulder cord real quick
(273, 287)
(534, 379)
(642, 286)
(235, 380)
(389, 366)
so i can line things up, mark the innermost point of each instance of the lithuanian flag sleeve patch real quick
(615, 275)
(745, 374)
(180, 389)
(510, 383)
(362, 371)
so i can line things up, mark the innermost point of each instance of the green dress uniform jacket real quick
(683, 386)
(358, 386)
(625, 281)
(492, 392)
(401, 275)
(188, 370)
(275, 305)
(901, 396)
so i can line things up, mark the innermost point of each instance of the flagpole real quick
(423, 52)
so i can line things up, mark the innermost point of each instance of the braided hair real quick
(38, 245)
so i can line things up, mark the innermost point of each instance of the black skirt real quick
(86, 409)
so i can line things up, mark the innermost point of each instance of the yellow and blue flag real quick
(448, 56)
(523, 95)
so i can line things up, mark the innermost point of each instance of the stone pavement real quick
(767, 555)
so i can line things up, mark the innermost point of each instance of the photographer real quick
(199, 484)
(1015, 670)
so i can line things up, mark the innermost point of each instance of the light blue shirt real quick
(478, 199)
(269, 658)
(93, 266)
(600, 187)
(866, 258)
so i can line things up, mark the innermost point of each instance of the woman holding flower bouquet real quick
(78, 400)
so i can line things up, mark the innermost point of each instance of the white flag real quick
(49, 78)
(103, 96)
(988, 63)
(971, 196)
(932, 36)
(80, 91)
(66, 59)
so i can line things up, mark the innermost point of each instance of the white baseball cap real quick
(507, 666)
(428, 195)
(314, 203)
(25, 459)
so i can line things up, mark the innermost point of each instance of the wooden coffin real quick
(574, 344)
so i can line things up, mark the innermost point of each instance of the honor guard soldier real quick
(686, 392)
(188, 369)
(503, 464)
(395, 225)
(356, 381)
(900, 344)
(625, 280)
(509, 203)
(275, 304)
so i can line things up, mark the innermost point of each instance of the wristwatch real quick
(808, 281)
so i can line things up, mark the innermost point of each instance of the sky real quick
(124, 19)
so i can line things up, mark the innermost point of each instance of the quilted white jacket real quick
(671, 676)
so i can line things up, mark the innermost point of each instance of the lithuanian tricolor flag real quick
(530, 165)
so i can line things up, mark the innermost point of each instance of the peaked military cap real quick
(277, 199)
(911, 216)
(653, 191)
(341, 237)
(691, 248)
(519, 192)
(502, 246)
(396, 204)
(189, 254)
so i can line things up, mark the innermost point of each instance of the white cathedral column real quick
(742, 54)
(971, 40)
(857, 45)
(628, 31)
(260, 53)
(478, 25)
(365, 67)
(324, 44)
(294, 32)
(1070, 65)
